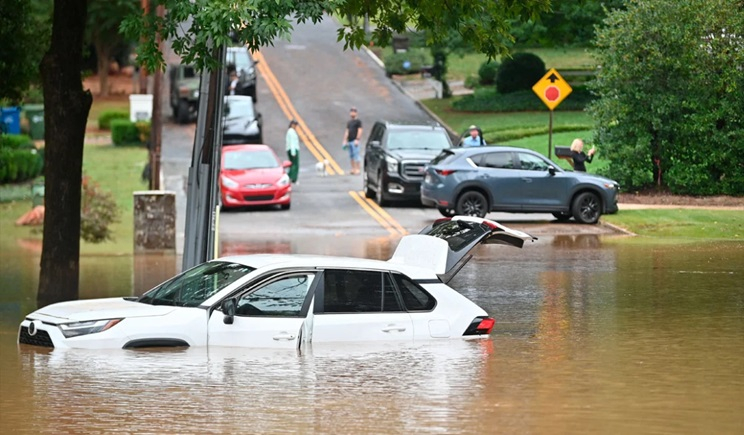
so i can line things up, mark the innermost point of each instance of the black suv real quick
(240, 60)
(395, 157)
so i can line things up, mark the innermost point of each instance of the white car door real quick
(269, 315)
(358, 306)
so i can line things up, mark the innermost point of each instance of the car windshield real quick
(239, 108)
(194, 286)
(236, 160)
(240, 59)
(418, 140)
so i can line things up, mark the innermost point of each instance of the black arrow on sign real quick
(553, 78)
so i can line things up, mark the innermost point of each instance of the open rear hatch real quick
(445, 245)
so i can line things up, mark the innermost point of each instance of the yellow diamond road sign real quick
(552, 89)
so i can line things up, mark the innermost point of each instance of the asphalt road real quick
(312, 79)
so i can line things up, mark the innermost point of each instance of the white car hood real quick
(97, 309)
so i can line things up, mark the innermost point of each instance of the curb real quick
(617, 228)
(453, 134)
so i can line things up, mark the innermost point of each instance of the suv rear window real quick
(444, 157)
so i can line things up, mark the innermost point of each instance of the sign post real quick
(551, 89)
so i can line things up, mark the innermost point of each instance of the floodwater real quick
(593, 335)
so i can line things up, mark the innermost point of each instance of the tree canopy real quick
(193, 26)
(670, 83)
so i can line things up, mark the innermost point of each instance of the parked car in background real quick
(287, 301)
(242, 124)
(395, 157)
(474, 181)
(241, 60)
(184, 92)
(252, 175)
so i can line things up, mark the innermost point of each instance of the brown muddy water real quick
(593, 335)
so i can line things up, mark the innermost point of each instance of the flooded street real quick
(593, 335)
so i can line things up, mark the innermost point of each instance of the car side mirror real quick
(551, 170)
(228, 309)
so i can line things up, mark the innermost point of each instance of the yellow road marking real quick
(310, 141)
(378, 214)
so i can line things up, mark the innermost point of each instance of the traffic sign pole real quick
(550, 136)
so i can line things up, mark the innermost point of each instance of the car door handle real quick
(527, 180)
(393, 328)
(284, 336)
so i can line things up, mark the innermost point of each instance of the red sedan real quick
(253, 175)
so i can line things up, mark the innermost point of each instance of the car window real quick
(417, 139)
(283, 297)
(414, 297)
(237, 160)
(354, 291)
(240, 58)
(530, 162)
(189, 72)
(445, 157)
(239, 108)
(196, 285)
(500, 160)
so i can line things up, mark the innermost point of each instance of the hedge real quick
(20, 164)
(15, 141)
(105, 118)
(417, 58)
(489, 100)
(124, 132)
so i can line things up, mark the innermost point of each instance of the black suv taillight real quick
(480, 326)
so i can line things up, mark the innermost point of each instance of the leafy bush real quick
(98, 211)
(489, 100)
(18, 165)
(520, 72)
(143, 131)
(124, 132)
(487, 72)
(15, 141)
(394, 63)
(105, 118)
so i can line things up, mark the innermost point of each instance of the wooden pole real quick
(156, 124)
(142, 70)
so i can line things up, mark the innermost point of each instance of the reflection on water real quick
(592, 336)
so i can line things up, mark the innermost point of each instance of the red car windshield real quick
(238, 160)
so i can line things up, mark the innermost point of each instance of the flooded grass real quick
(681, 224)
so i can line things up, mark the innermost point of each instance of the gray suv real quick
(474, 181)
(395, 157)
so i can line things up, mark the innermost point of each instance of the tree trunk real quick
(102, 53)
(66, 107)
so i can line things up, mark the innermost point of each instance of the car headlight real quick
(84, 328)
(392, 165)
(610, 186)
(228, 182)
(283, 181)
(196, 94)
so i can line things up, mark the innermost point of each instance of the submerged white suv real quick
(285, 301)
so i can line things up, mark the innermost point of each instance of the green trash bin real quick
(35, 116)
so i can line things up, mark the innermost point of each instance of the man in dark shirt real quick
(352, 135)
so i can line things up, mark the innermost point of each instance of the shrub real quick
(489, 100)
(105, 118)
(487, 72)
(143, 131)
(18, 165)
(15, 141)
(98, 212)
(519, 72)
(416, 58)
(124, 132)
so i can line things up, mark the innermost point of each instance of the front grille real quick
(413, 170)
(258, 198)
(41, 338)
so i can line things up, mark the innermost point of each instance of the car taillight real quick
(444, 172)
(480, 326)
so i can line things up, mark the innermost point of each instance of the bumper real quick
(431, 196)
(398, 188)
(50, 336)
(256, 197)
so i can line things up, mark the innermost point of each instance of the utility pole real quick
(156, 122)
(202, 189)
(142, 70)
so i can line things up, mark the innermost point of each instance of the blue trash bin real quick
(11, 117)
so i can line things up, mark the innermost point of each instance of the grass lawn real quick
(115, 169)
(461, 67)
(681, 224)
